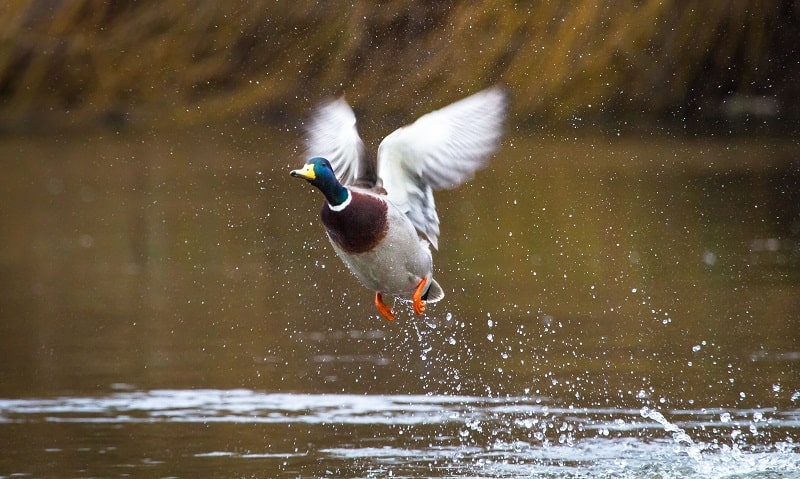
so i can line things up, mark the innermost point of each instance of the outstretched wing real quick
(440, 150)
(332, 134)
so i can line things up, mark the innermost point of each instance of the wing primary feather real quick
(440, 150)
(332, 134)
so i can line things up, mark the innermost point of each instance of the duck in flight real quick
(379, 212)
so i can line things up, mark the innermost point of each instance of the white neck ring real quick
(344, 203)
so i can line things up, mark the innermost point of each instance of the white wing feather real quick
(440, 150)
(332, 134)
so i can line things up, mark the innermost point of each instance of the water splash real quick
(678, 434)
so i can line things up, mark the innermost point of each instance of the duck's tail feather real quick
(434, 292)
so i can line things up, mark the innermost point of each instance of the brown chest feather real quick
(360, 226)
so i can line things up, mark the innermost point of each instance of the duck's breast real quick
(360, 226)
(385, 254)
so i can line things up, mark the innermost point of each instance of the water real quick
(615, 308)
(238, 433)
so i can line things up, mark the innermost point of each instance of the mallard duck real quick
(379, 213)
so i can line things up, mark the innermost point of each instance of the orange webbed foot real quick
(419, 304)
(385, 310)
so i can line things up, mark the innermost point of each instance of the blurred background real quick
(651, 150)
(598, 63)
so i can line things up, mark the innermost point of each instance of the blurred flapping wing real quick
(440, 150)
(332, 134)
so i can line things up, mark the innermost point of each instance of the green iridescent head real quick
(319, 172)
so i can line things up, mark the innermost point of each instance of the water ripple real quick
(467, 436)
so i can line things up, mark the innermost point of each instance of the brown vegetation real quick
(190, 61)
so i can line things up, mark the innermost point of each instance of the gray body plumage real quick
(398, 263)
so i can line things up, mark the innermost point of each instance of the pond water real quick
(614, 308)
(243, 433)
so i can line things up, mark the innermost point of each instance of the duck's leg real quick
(385, 310)
(419, 304)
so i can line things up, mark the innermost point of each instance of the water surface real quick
(614, 308)
(237, 433)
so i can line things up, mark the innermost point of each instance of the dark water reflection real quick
(593, 273)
